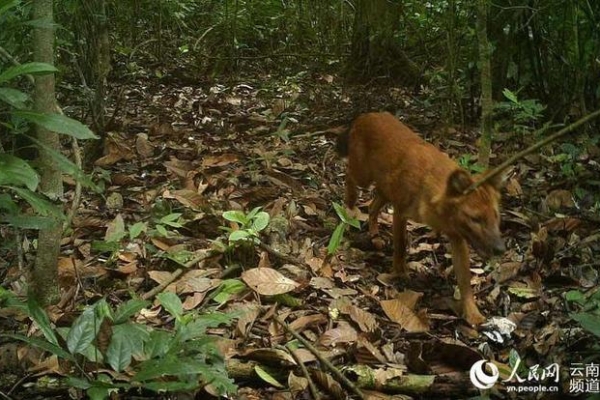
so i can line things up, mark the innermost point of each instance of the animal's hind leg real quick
(351, 192)
(399, 228)
(378, 202)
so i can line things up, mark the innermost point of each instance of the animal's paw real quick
(378, 242)
(472, 315)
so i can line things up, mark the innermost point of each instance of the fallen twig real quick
(176, 274)
(345, 381)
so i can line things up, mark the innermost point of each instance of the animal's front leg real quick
(460, 260)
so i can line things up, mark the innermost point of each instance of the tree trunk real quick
(486, 84)
(375, 51)
(44, 278)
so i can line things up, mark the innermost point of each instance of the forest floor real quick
(179, 156)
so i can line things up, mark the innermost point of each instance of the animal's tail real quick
(342, 143)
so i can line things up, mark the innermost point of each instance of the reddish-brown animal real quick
(424, 185)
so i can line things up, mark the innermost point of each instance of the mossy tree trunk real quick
(486, 84)
(44, 277)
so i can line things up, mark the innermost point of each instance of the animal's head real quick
(475, 215)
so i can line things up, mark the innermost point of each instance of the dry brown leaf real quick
(219, 161)
(285, 180)
(144, 148)
(161, 277)
(160, 244)
(189, 283)
(409, 298)
(115, 150)
(330, 385)
(559, 199)
(162, 129)
(128, 268)
(384, 375)
(337, 293)
(307, 321)
(343, 333)
(187, 197)
(264, 261)
(506, 271)
(513, 187)
(88, 221)
(305, 356)
(568, 224)
(367, 353)
(193, 301)
(267, 281)
(403, 315)
(248, 314)
(365, 320)
(71, 269)
(297, 384)
(180, 168)
(270, 356)
(319, 282)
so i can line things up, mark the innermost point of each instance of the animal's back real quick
(383, 150)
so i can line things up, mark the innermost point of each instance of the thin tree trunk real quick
(44, 278)
(486, 84)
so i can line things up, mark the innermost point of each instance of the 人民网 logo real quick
(480, 378)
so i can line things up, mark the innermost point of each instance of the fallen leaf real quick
(343, 333)
(267, 281)
(403, 315)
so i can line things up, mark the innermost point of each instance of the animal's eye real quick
(477, 219)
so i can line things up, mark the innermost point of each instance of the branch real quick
(345, 381)
(500, 168)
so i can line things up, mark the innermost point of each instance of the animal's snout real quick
(498, 247)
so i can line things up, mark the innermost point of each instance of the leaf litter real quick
(200, 151)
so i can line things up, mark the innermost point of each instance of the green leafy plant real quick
(338, 233)
(468, 162)
(519, 116)
(17, 176)
(567, 159)
(588, 315)
(162, 225)
(160, 360)
(248, 226)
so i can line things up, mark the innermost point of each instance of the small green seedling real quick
(338, 233)
(249, 225)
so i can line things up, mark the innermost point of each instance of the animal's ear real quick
(458, 181)
(497, 181)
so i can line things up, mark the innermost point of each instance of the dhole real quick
(424, 185)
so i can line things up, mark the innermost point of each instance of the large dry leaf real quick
(344, 333)
(270, 356)
(248, 314)
(403, 315)
(367, 353)
(219, 161)
(409, 298)
(297, 384)
(307, 321)
(365, 320)
(115, 149)
(187, 197)
(267, 281)
(193, 301)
